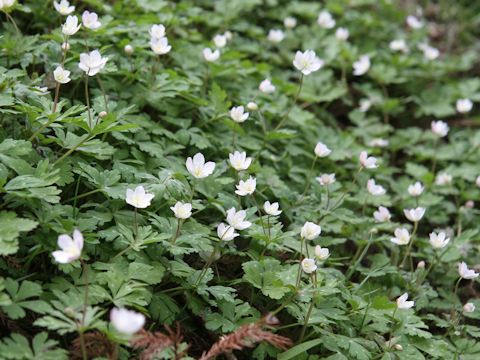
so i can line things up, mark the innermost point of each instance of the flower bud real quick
(469, 204)
(69, 312)
(128, 49)
(65, 46)
(103, 114)
(421, 265)
(468, 307)
(398, 347)
(252, 106)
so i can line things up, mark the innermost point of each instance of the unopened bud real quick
(469, 204)
(103, 114)
(398, 347)
(468, 307)
(65, 46)
(69, 311)
(128, 49)
(252, 106)
(421, 265)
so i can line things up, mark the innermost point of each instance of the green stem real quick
(100, 82)
(41, 128)
(72, 150)
(13, 23)
(360, 258)
(285, 117)
(83, 195)
(412, 238)
(87, 98)
(308, 180)
(307, 318)
(177, 232)
(299, 274)
(84, 312)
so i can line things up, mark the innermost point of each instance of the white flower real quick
(325, 20)
(399, 45)
(365, 104)
(421, 265)
(443, 179)
(361, 66)
(379, 142)
(308, 265)
(61, 75)
(71, 25)
(139, 198)
(236, 219)
(374, 189)
(275, 35)
(125, 321)
(211, 56)
(290, 22)
(322, 254)
(416, 189)
(198, 168)
(440, 128)
(402, 302)
(307, 62)
(439, 240)
(271, 208)
(64, 7)
(5, 4)
(182, 210)
(71, 249)
(252, 106)
(239, 160)
(92, 62)
(160, 46)
(226, 232)
(366, 161)
(382, 214)
(469, 307)
(310, 231)
(414, 215)
(326, 179)
(266, 86)
(157, 31)
(465, 272)
(128, 49)
(238, 115)
(430, 53)
(220, 41)
(402, 236)
(246, 187)
(90, 20)
(322, 150)
(464, 105)
(477, 181)
(414, 22)
(342, 34)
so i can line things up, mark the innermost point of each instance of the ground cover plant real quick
(239, 179)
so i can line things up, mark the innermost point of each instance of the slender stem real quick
(260, 215)
(84, 312)
(211, 258)
(307, 317)
(346, 190)
(299, 274)
(177, 232)
(434, 162)
(83, 195)
(360, 258)
(13, 23)
(55, 100)
(308, 180)
(285, 117)
(364, 317)
(72, 150)
(41, 128)
(135, 223)
(328, 198)
(456, 286)
(100, 82)
(412, 238)
(391, 328)
(268, 239)
(87, 97)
